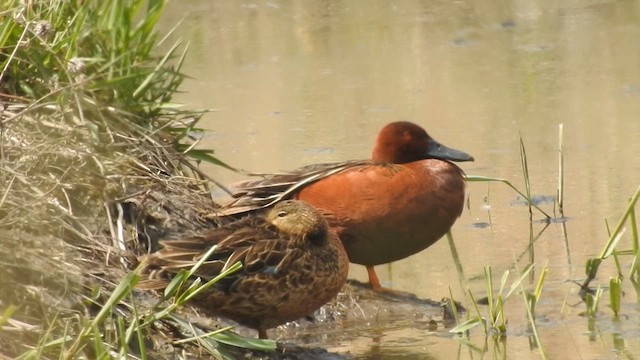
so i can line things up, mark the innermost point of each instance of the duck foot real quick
(374, 283)
(397, 294)
(385, 292)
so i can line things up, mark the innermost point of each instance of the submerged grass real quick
(527, 197)
(495, 320)
(611, 249)
(495, 323)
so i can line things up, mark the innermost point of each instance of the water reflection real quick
(312, 81)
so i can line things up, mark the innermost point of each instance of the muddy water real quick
(294, 83)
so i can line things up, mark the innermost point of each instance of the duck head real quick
(299, 219)
(402, 142)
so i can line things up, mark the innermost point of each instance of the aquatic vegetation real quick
(611, 249)
(495, 321)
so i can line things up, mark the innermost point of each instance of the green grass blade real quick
(467, 325)
(146, 83)
(530, 303)
(98, 348)
(592, 300)
(479, 178)
(123, 289)
(523, 276)
(608, 249)
(454, 307)
(634, 230)
(121, 330)
(525, 172)
(233, 268)
(475, 305)
(560, 195)
(503, 281)
(538, 290)
(205, 155)
(176, 283)
(615, 294)
(488, 283)
(6, 314)
(243, 342)
(611, 245)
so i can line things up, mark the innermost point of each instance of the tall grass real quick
(560, 192)
(98, 61)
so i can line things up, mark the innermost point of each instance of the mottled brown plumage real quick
(292, 265)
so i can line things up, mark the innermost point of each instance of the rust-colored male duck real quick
(398, 203)
(293, 263)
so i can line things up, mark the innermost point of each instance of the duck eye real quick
(282, 214)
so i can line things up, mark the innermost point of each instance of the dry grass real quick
(73, 214)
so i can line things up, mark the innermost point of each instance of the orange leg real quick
(374, 282)
(373, 279)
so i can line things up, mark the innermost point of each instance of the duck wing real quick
(259, 246)
(272, 188)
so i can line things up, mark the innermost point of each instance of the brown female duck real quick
(292, 265)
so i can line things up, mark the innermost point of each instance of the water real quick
(295, 83)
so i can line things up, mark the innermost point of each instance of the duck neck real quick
(392, 154)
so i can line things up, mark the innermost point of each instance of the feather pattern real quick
(292, 264)
(270, 188)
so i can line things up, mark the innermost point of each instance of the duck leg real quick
(374, 282)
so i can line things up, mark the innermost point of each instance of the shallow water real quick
(295, 83)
